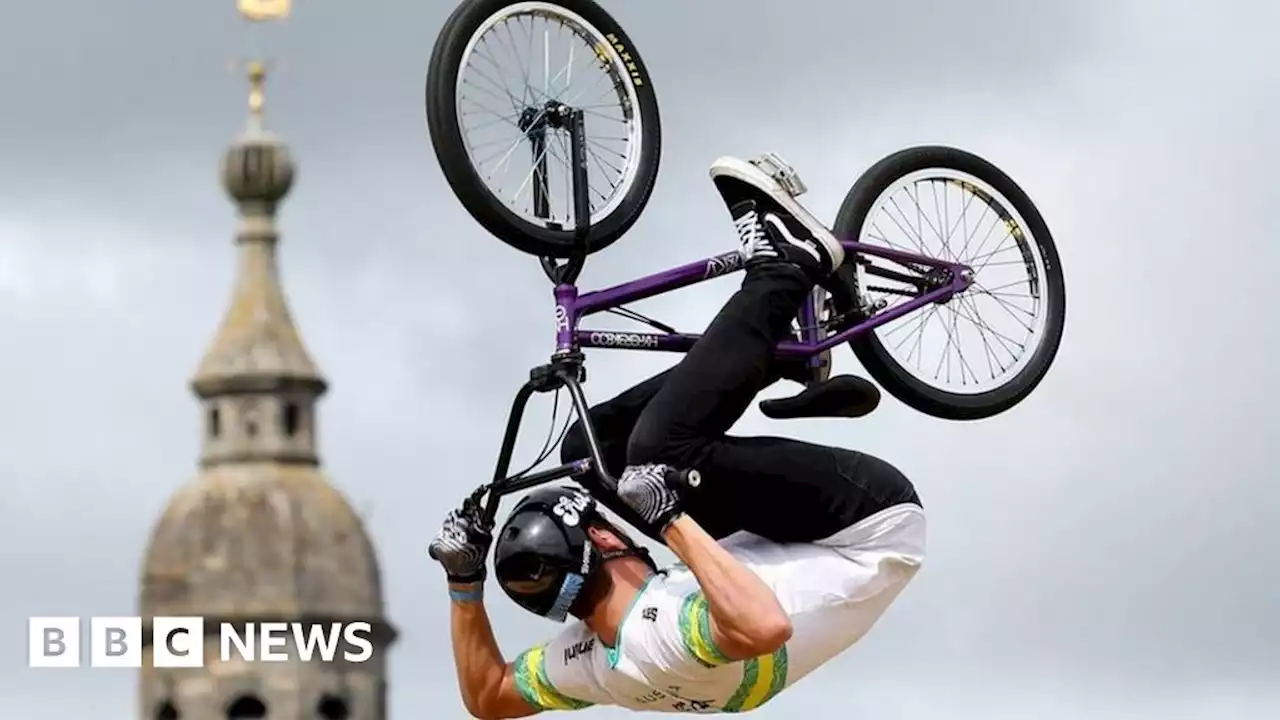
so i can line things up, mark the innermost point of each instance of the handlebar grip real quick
(683, 479)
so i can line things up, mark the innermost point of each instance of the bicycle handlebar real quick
(562, 372)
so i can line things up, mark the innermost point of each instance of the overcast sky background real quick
(1105, 550)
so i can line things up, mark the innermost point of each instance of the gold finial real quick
(264, 10)
(257, 83)
(260, 11)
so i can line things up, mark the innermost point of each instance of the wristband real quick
(467, 594)
(667, 524)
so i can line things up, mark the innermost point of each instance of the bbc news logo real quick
(180, 642)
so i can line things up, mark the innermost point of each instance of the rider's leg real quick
(784, 490)
(613, 421)
(786, 253)
(719, 377)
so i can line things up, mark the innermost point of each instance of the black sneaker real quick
(776, 237)
(772, 226)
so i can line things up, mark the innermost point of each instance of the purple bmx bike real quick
(544, 120)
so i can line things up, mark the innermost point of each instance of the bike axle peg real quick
(692, 478)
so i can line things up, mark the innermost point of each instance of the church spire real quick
(258, 383)
(261, 535)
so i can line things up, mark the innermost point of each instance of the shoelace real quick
(751, 233)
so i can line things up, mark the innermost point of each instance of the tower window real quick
(215, 422)
(291, 417)
(166, 711)
(332, 707)
(246, 707)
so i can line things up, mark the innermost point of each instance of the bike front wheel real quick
(503, 76)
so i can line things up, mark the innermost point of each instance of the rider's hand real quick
(462, 545)
(644, 489)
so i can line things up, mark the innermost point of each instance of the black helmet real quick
(543, 556)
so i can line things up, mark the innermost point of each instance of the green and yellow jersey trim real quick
(762, 677)
(695, 631)
(536, 689)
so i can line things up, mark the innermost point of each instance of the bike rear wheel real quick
(1014, 312)
(502, 77)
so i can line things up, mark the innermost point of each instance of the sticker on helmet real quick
(569, 508)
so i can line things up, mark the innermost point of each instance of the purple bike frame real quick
(565, 368)
(573, 305)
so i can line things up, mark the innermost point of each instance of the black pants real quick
(782, 489)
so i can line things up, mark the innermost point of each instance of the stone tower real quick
(260, 535)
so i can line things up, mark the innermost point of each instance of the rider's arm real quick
(486, 681)
(493, 689)
(746, 619)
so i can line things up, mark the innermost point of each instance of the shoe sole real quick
(842, 396)
(743, 171)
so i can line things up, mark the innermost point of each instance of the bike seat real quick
(837, 396)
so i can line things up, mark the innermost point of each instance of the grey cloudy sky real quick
(1105, 550)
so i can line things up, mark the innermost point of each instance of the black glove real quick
(644, 489)
(462, 546)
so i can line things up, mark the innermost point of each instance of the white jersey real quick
(664, 660)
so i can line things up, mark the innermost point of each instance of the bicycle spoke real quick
(915, 237)
(532, 172)
(933, 311)
(885, 240)
(1007, 235)
(986, 209)
(964, 362)
(925, 217)
(524, 68)
(975, 318)
(988, 351)
(964, 210)
(1006, 307)
(981, 290)
(976, 258)
(504, 119)
(485, 91)
(506, 89)
(944, 355)
(938, 212)
(917, 320)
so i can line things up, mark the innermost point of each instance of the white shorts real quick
(836, 589)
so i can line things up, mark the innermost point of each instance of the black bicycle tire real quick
(451, 153)
(870, 351)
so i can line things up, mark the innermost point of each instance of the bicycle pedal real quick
(779, 170)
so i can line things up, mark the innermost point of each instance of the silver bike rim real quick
(969, 222)
(613, 154)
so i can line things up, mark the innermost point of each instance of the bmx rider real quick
(789, 551)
